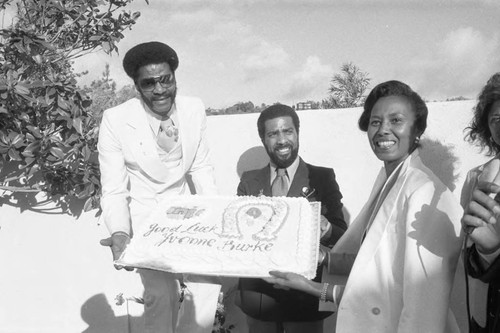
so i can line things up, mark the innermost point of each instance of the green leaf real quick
(29, 160)
(14, 155)
(77, 124)
(62, 103)
(27, 154)
(51, 91)
(86, 153)
(106, 46)
(21, 89)
(57, 152)
(89, 205)
(35, 131)
(33, 147)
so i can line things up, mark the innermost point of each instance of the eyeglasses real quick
(149, 83)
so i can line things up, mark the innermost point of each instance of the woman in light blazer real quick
(397, 259)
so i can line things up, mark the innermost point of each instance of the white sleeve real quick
(114, 179)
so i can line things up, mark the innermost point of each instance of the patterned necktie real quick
(279, 187)
(168, 135)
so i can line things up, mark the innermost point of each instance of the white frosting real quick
(230, 236)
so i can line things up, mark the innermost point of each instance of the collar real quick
(290, 171)
(154, 120)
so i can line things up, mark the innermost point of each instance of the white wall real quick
(331, 138)
(56, 278)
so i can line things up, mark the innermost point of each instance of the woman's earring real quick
(417, 140)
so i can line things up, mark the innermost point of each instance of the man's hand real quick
(482, 218)
(117, 242)
(326, 229)
(286, 280)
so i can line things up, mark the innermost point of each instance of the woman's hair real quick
(478, 131)
(395, 88)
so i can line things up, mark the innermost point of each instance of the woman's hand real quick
(286, 280)
(482, 218)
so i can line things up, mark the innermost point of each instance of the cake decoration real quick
(228, 236)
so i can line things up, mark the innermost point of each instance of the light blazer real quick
(403, 273)
(133, 177)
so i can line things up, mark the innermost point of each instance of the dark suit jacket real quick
(316, 184)
(492, 277)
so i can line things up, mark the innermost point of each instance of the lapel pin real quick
(307, 192)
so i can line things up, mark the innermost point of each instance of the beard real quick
(283, 161)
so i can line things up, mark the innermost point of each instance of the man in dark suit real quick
(481, 222)
(269, 309)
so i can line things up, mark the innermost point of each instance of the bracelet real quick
(120, 233)
(322, 296)
(322, 257)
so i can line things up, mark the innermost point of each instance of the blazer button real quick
(376, 311)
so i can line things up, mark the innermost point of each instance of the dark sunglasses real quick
(149, 83)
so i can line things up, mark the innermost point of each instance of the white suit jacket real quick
(403, 273)
(133, 177)
(134, 180)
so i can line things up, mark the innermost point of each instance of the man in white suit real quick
(148, 146)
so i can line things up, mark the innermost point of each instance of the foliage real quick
(104, 94)
(458, 98)
(47, 134)
(330, 103)
(220, 314)
(240, 107)
(347, 88)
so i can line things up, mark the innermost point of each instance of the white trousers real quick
(164, 312)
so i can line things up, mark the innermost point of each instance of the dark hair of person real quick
(275, 111)
(395, 88)
(146, 54)
(478, 131)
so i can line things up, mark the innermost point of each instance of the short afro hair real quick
(395, 88)
(275, 111)
(146, 54)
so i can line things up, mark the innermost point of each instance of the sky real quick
(287, 51)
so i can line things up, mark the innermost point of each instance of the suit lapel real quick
(184, 131)
(263, 181)
(300, 180)
(383, 217)
(141, 142)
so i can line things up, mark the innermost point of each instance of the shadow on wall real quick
(441, 160)
(253, 158)
(99, 316)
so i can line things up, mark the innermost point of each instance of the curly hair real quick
(395, 88)
(478, 132)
